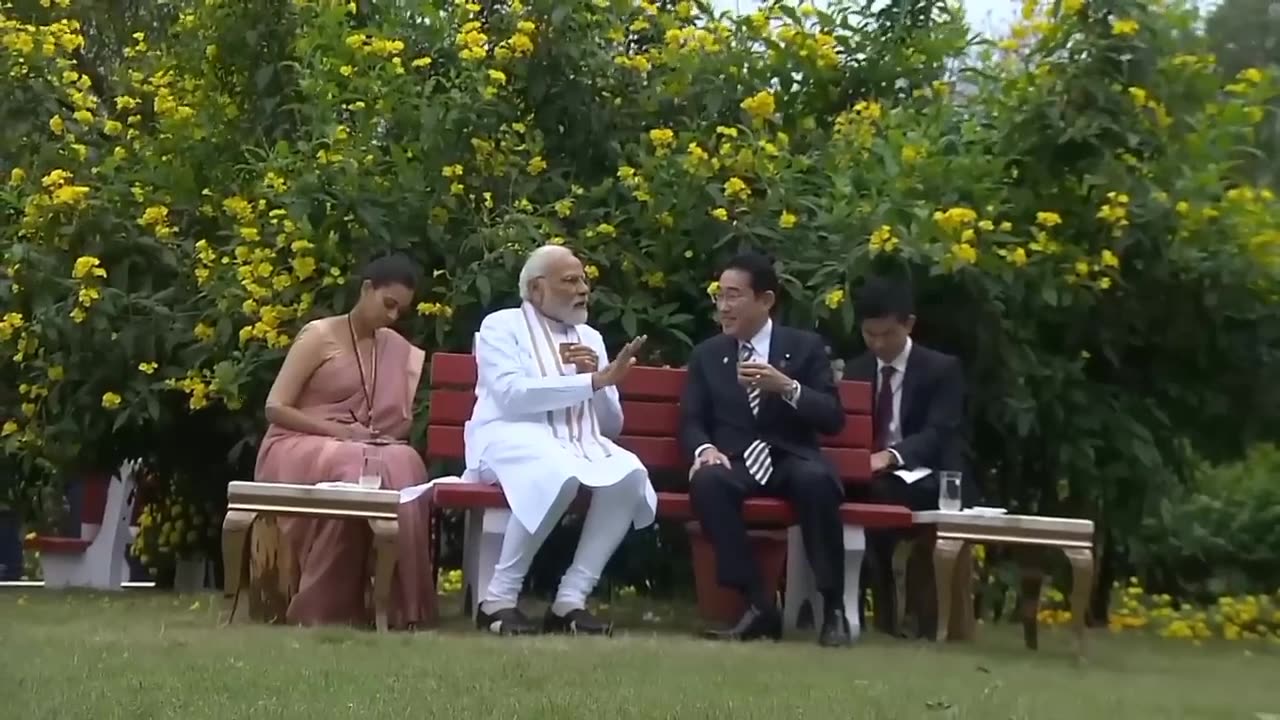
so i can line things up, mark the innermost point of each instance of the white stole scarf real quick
(576, 426)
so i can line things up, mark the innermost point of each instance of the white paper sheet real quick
(407, 495)
(413, 492)
(910, 476)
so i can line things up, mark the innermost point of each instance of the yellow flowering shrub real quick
(181, 193)
(174, 522)
(1247, 618)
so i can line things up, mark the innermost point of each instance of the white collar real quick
(762, 338)
(899, 363)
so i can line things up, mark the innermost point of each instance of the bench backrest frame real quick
(651, 411)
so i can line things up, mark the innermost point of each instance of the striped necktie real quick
(758, 460)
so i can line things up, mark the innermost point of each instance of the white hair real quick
(535, 266)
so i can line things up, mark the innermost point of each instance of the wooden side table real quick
(953, 578)
(246, 500)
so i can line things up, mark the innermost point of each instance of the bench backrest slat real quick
(651, 409)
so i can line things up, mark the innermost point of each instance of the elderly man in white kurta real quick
(546, 410)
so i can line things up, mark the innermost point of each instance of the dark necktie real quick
(757, 458)
(884, 408)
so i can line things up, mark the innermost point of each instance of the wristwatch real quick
(793, 392)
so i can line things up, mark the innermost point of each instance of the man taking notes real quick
(546, 409)
(918, 398)
(755, 400)
(917, 410)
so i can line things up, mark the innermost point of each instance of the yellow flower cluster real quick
(858, 124)
(695, 40)
(88, 272)
(431, 309)
(630, 179)
(760, 106)
(882, 240)
(1115, 212)
(818, 46)
(156, 218)
(1234, 618)
(172, 528)
(60, 193)
(472, 43)
(1143, 100)
(663, 139)
(450, 581)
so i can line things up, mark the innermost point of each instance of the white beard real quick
(567, 314)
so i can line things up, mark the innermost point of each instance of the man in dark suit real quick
(917, 411)
(755, 400)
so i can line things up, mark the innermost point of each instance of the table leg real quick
(901, 555)
(385, 534)
(945, 552)
(235, 549)
(1082, 570)
(1029, 602)
(962, 621)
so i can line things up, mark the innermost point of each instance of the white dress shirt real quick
(760, 344)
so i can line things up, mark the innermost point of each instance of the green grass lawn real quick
(142, 655)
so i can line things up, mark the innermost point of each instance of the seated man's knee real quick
(813, 479)
(710, 483)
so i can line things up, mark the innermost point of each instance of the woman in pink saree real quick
(347, 387)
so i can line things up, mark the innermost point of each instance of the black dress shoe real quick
(507, 621)
(576, 622)
(755, 624)
(835, 630)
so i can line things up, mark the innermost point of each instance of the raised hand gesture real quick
(615, 371)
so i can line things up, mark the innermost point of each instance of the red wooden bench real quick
(651, 410)
(95, 558)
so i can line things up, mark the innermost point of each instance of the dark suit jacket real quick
(932, 407)
(715, 410)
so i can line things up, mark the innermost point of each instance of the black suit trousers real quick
(889, 489)
(815, 494)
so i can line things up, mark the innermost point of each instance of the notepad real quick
(910, 476)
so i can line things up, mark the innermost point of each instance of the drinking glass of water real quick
(949, 491)
(372, 468)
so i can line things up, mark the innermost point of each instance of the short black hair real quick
(393, 269)
(759, 269)
(884, 297)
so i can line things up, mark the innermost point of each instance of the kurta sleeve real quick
(502, 372)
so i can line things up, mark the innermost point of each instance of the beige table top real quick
(1019, 529)
(284, 498)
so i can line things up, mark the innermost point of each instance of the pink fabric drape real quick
(333, 555)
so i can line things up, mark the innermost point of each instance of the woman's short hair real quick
(393, 269)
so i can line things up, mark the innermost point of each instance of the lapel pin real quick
(724, 360)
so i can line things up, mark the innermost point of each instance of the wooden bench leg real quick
(800, 586)
(1032, 577)
(902, 551)
(963, 625)
(235, 549)
(855, 553)
(472, 525)
(485, 530)
(945, 553)
(1082, 572)
(385, 537)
